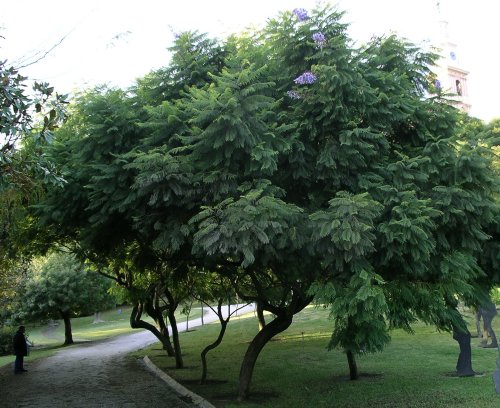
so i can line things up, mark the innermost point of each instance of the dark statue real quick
(496, 377)
(488, 313)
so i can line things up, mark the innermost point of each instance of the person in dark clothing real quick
(20, 350)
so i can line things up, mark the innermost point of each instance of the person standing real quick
(20, 350)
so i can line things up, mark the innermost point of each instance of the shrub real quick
(6, 335)
(495, 295)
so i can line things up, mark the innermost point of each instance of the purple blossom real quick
(301, 14)
(294, 95)
(305, 78)
(319, 39)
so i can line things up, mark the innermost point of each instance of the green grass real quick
(296, 369)
(48, 341)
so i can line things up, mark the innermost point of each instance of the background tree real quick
(27, 122)
(62, 287)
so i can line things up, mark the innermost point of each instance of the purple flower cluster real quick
(294, 95)
(319, 38)
(301, 14)
(305, 78)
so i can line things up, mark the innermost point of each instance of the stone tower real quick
(452, 77)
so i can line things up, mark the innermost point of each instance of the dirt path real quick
(97, 374)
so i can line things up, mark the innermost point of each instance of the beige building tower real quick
(452, 77)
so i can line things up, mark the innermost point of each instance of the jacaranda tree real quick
(297, 166)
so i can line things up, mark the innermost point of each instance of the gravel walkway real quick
(96, 374)
(89, 375)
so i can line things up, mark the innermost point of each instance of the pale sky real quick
(116, 41)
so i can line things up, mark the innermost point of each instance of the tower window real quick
(458, 85)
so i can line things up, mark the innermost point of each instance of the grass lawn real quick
(47, 340)
(296, 369)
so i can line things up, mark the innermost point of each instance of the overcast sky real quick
(116, 41)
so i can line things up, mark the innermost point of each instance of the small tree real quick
(62, 287)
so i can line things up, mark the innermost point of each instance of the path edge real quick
(180, 389)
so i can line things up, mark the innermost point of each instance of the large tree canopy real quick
(295, 165)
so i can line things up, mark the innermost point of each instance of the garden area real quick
(296, 369)
(284, 167)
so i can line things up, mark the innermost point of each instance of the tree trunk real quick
(175, 338)
(353, 367)
(477, 316)
(188, 314)
(68, 335)
(160, 321)
(167, 345)
(260, 315)
(215, 344)
(154, 310)
(464, 363)
(137, 323)
(172, 307)
(187, 320)
(276, 326)
(223, 326)
(97, 318)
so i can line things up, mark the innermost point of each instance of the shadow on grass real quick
(454, 374)
(46, 348)
(253, 398)
(362, 377)
(207, 382)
